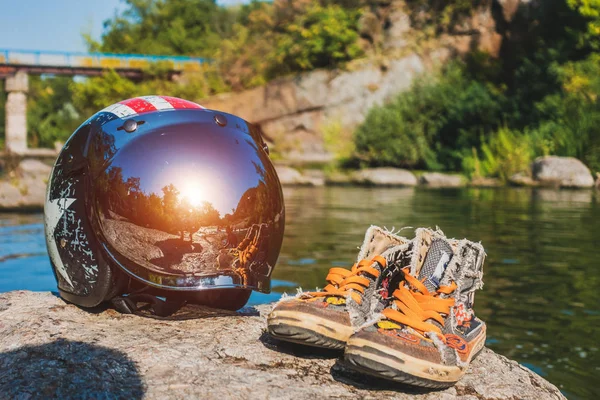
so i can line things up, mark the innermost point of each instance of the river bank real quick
(49, 347)
(23, 186)
(549, 171)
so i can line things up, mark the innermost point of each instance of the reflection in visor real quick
(184, 207)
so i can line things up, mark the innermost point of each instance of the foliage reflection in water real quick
(540, 298)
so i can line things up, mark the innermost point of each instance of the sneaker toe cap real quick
(316, 308)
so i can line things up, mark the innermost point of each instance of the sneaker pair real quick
(404, 311)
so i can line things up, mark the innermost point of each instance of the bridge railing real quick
(66, 59)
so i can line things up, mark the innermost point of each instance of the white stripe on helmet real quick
(120, 110)
(158, 102)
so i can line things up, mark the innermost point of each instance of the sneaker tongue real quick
(378, 240)
(434, 266)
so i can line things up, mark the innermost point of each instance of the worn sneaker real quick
(327, 318)
(428, 334)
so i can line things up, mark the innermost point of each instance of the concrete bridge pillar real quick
(17, 87)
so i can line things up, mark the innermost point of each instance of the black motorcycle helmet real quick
(159, 195)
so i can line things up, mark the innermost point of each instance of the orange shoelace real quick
(343, 282)
(416, 305)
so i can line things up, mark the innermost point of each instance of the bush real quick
(461, 120)
(387, 138)
(431, 124)
(338, 141)
(589, 9)
(52, 115)
(502, 155)
(241, 59)
(94, 94)
(320, 37)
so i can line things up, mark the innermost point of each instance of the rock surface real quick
(315, 176)
(522, 179)
(52, 349)
(562, 171)
(24, 187)
(384, 177)
(485, 182)
(339, 178)
(289, 176)
(438, 180)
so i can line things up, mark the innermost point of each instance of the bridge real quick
(88, 64)
(17, 65)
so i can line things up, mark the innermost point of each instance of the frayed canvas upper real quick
(465, 269)
(376, 241)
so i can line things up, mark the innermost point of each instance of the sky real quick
(55, 24)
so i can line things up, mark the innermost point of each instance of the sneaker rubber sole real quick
(383, 362)
(303, 336)
(308, 329)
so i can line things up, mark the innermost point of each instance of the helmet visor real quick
(185, 202)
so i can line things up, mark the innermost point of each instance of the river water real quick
(541, 298)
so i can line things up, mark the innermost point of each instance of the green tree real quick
(571, 117)
(243, 59)
(190, 27)
(287, 36)
(442, 15)
(51, 114)
(430, 125)
(321, 37)
(97, 93)
(589, 9)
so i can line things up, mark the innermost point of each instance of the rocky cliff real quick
(23, 187)
(52, 349)
(293, 112)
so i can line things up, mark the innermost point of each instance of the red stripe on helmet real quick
(139, 105)
(180, 103)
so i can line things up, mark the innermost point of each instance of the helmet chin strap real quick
(147, 305)
(171, 307)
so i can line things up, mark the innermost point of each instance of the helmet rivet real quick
(130, 125)
(220, 119)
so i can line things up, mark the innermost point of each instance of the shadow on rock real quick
(297, 350)
(66, 369)
(341, 372)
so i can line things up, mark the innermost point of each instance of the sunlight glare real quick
(194, 194)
